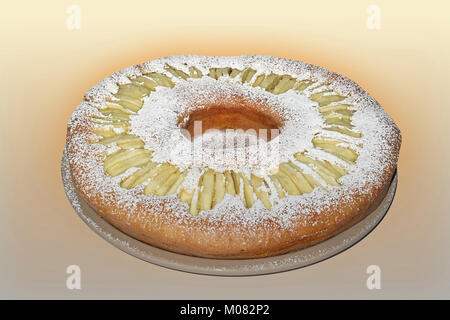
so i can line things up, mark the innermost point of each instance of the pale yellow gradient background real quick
(46, 69)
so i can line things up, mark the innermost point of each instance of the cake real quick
(231, 157)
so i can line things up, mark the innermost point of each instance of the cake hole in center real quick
(224, 116)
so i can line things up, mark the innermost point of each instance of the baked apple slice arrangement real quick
(163, 179)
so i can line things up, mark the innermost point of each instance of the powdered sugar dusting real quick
(156, 125)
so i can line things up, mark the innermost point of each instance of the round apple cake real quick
(231, 157)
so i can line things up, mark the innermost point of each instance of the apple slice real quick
(165, 186)
(219, 188)
(257, 182)
(234, 73)
(207, 190)
(339, 119)
(121, 155)
(303, 84)
(120, 161)
(131, 143)
(318, 167)
(105, 133)
(259, 79)
(111, 114)
(176, 72)
(336, 108)
(194, 209)
(124, 141)
(247, 75)
(287, 183)
(220, 72)
(137, 161)
(249, 199)
(173, 189)
(115, 138)
(145, 82)
(186, 196)
(115, 108)
(337, 170)
(313, 181)
(212, 73)
(139, 176)
(286, 83)
(278, 187)
(161, 79)
(298, 177)
(127, 105)
(136, 101)
(319, 85)
(124, 126)
(158, 179)
(195, 73)
(270, 82)
(116, 123)
(323, 99)
(333, 147)
(133, 90)
(236, 181)
(345, 131)
(229, 183)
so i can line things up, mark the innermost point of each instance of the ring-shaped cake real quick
(231, 157)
